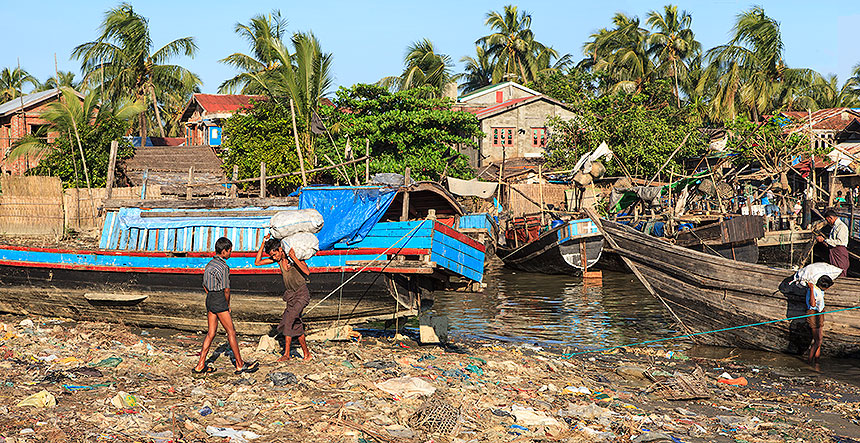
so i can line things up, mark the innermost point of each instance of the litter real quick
(234, 435)
(41, 399)
(407, 387)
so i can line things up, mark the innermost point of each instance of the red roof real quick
(835, 119)
(225, 102)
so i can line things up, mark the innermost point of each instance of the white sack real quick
(286, 223)
(303, 244)
(811, 273)
(407, 387)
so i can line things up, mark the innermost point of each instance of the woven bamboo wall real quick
(31, 205)
(552, 194)
(81, 213)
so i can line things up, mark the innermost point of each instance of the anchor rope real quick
(569, 355)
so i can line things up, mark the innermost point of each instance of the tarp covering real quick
(471, 188)
(349, 212)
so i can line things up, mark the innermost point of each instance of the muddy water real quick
(559, 312)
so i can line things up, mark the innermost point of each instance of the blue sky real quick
(368, 39)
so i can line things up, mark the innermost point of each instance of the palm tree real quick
(621, 54)
(479, 70)
(66, 78)
(263, 33)
(12, 81)
(303, 76)
(826, 93)
(750, 70)
(515, 52)
(672, 42)
(423, 67)
(121, 62)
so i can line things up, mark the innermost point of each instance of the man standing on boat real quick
(837, 241)
(296, 294)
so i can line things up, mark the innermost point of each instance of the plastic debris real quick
(41, 399)
(407, 387)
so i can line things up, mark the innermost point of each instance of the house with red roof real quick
(204, 114)
(513, 119)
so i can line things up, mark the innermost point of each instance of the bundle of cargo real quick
(295, 229)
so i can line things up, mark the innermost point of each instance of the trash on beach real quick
(41, 399)
(407, 387)
(234, 435)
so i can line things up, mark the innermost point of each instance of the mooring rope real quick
(646, 342)
(385, 252)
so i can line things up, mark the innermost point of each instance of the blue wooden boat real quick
(148, 267)
(569, 248)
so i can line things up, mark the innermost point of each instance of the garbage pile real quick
(84, 381)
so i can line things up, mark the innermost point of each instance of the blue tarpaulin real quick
(349, 212)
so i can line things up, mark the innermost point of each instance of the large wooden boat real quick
(569, 248)
(147, 270)
(708, 292)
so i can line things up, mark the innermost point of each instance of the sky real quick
(368, 39)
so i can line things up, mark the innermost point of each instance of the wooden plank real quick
(115, 296)
(208, 214)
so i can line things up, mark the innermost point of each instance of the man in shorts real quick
(814, 308)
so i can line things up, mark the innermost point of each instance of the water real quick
(557, 311)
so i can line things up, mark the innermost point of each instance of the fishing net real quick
(436, 416)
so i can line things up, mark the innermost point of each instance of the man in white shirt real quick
(837, 241)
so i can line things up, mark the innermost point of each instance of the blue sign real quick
(214, 136)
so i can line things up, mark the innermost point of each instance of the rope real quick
(368, 265)
(705, 332)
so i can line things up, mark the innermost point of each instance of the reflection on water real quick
(556, 311)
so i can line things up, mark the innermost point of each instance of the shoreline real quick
(493, 391)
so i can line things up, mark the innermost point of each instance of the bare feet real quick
(284, 358)
(308, 356)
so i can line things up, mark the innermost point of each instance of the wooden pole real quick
(404, 212)
(367, 162)
(262, 179)
(234, 191)
(812, 150)
(298, 149)
(289, 174)
(143, 184)
(114, 147)
(540, 192)
(188, 193)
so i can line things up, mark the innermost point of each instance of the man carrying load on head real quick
(836, 242)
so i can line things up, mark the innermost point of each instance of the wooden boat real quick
(569, 248)
(708, 292)
(150, 274)
(786, 247)
(734, 238)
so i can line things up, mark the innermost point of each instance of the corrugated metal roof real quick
(491, 88)
(219, 103)
(823, 119)
(14, 105)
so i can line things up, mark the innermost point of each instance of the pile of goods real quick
(295, 229)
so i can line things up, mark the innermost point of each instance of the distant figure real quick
(815, 305)
(216, 283)
(296, 294)
(839, 200)
(837, 241)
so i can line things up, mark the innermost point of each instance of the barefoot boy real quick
(815, 305)
(216, 283)
(296, 294)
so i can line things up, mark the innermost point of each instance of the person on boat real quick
(216, 283)
(297, 296)
(837, 241)
(815, 305)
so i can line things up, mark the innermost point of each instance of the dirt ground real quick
(88, 382)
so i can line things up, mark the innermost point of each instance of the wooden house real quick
(204, 115)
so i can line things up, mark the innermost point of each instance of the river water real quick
(558, 312)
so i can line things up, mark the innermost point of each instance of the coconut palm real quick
(479, 70)
(825, 92)
(672, 43)
(423, 66)
(263, 33)
(750, 71)
(516, 55)
(66, 78)
(12, 81)
(621, 53)
(122, 62)
(304, 76)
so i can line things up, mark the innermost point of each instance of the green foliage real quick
(62, 159)
(263, 134)
(642, 129)
(405, 129)
(767, 144)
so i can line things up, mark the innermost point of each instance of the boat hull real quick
(708, 293)
(555, 252)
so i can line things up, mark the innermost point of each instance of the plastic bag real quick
(303, 244)
(286, 223)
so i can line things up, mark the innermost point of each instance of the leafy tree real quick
(479, 70)
(66, 78)
(672, 43)
(642, 129)
(121, 62)
(404, 128)
(12, 81)
(423, 66)
(516, 55)
(80, 126)
(264, 133)
(263, 33)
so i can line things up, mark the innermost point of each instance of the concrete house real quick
(513, 119)
(19, 117)
(204, 115)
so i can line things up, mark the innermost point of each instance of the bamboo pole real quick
(540, 192)
(234, 191)
(404, 214)
(263, 179)
(114, 147)
(188, 193)
(298, 149)
(289, 174)
(367, 162)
